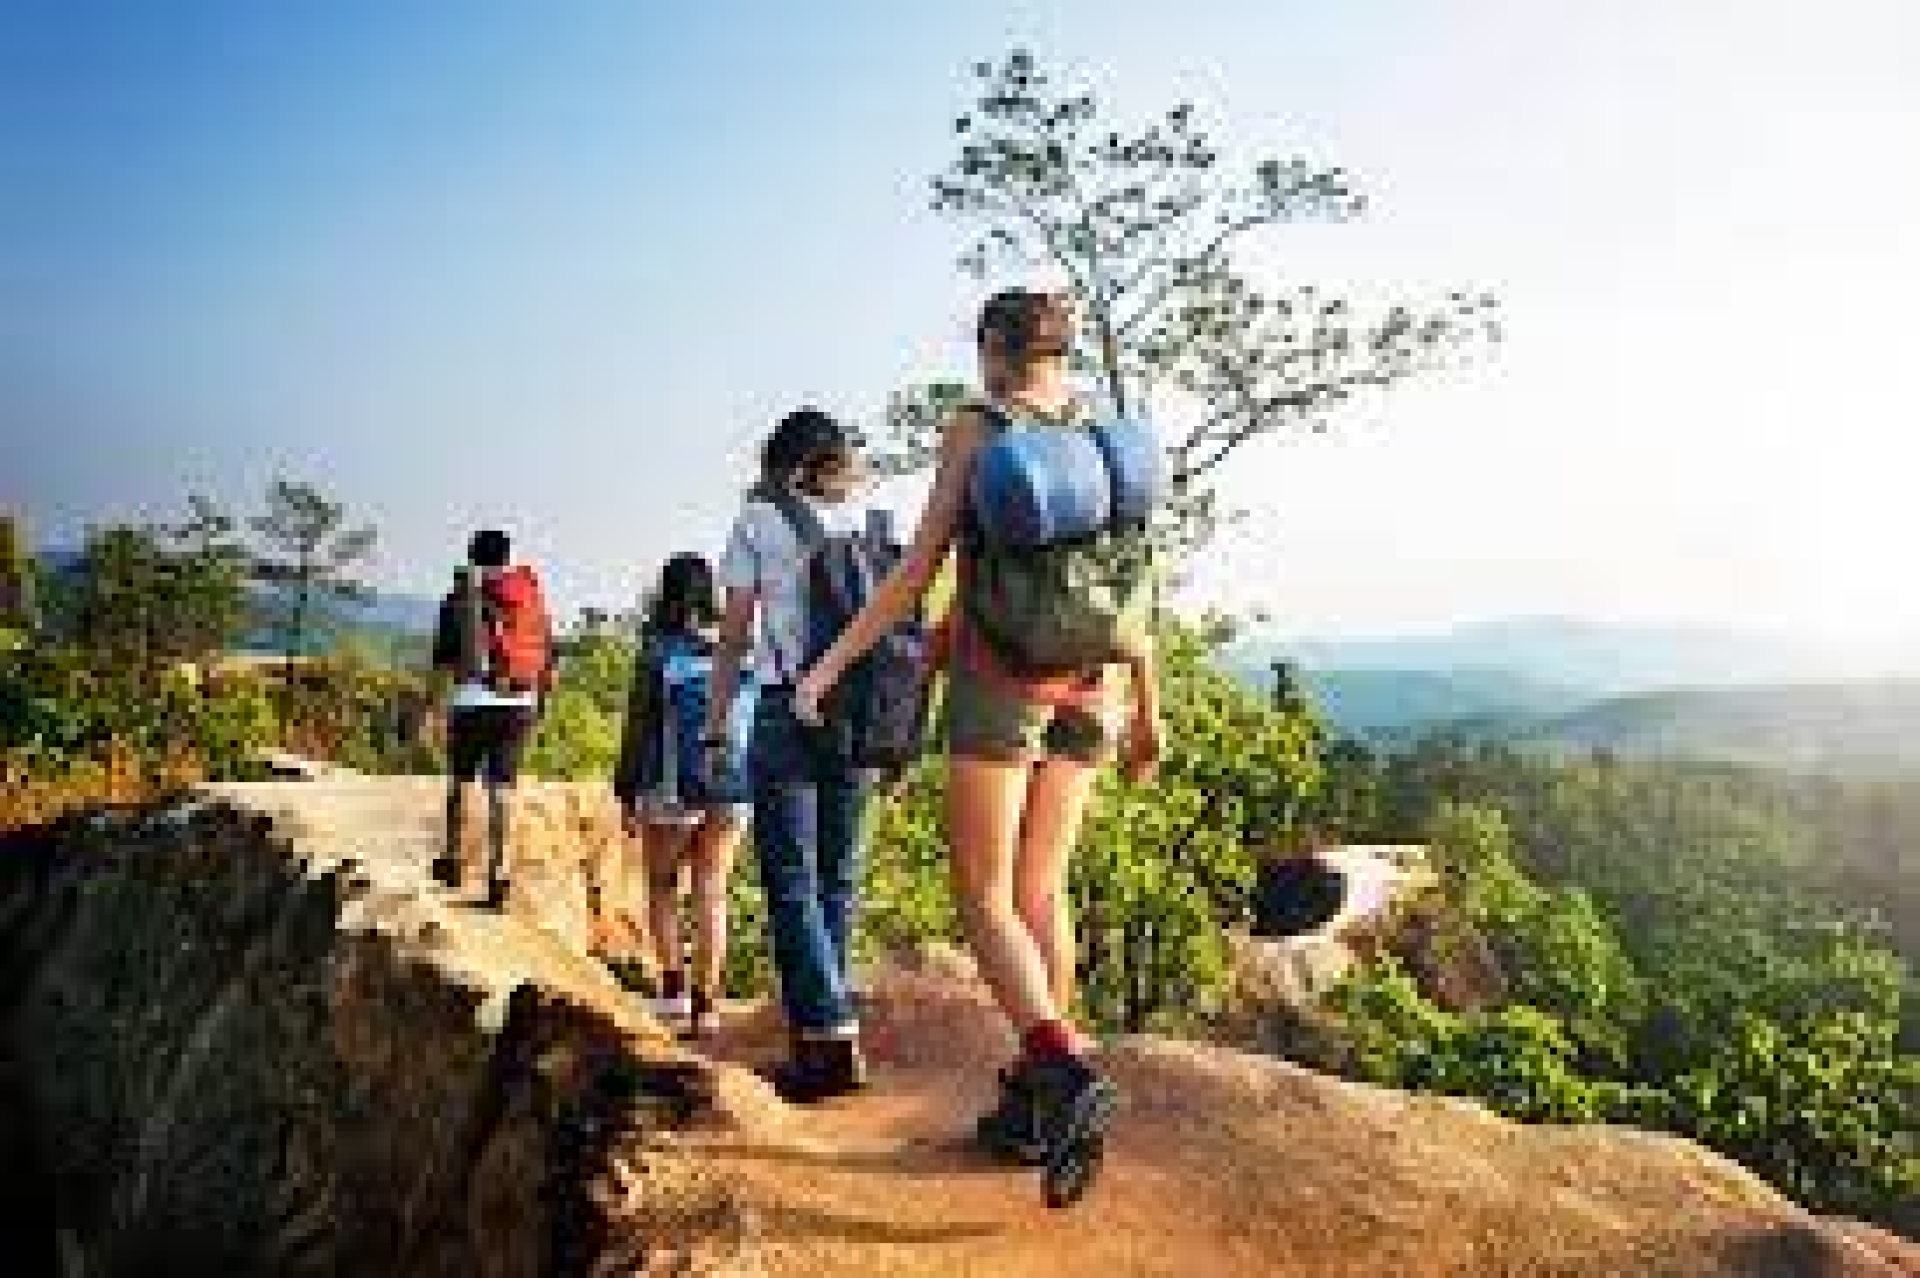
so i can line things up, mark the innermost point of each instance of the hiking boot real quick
(820, 1069)
(1073, 1106)
(497, 892)
(1007, 1131)
(446, 872)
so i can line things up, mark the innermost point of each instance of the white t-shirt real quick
(478, 696)
(766, 556)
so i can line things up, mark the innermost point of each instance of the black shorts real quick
(487, 742)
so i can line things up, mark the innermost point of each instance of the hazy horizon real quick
(480, 263)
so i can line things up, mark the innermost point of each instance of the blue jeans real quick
(808, 804)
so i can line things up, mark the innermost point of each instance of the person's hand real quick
(1143, 748)
(889, 783)
(716, 754)
(808, 695)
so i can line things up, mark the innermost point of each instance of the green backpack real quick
(1061, 571)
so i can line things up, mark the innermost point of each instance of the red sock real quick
(1048, 1041)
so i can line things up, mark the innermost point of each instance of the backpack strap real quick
(801, 518)
(812, 534)
(999, 421)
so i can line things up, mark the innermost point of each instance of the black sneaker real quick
(497, 892)
(820, 1069)
(446, 872)
(1007, 1130)
(1073, 1106)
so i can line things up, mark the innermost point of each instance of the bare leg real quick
(665, 851)
(984, 802)
(1049, 828)
(711, 851)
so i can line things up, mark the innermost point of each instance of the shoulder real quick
(761, 520)
(754, 517)
(966, 427)
(759, 532)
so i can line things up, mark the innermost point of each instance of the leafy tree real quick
(1143, 225)
(17, 610)
(145, 597)
(308, 557)
(114, 594)
(206, 574)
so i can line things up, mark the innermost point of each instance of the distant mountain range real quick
(1386, 705)
(1589, 657)
(1870, 723)
(1562, 684)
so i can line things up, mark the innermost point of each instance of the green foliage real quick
(77, 728)
(578, 738)
(142, 599)
(1560, 954)
(599, 665)
(1674, 958)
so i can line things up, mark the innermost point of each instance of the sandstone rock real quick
(253, 1039)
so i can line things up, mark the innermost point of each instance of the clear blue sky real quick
(559, 265)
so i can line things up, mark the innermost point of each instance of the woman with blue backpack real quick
(1049, 503)
(683, 806)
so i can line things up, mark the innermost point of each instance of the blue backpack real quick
(1061, 565)
(683, 669)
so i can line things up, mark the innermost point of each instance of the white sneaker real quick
(671, 1009)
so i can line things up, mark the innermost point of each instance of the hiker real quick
(1031, 710)
(681, 812)
(493, 638)
(799, 563)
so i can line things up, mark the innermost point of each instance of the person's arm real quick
(908, 582)
(446, 639)
(1144, 742)
(740, 577)
(736, 633)
(550, 671)
(641, 720)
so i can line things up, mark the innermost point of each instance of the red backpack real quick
(504, 629)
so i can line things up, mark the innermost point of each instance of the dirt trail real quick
(885, 1182)
(1225, 1164)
